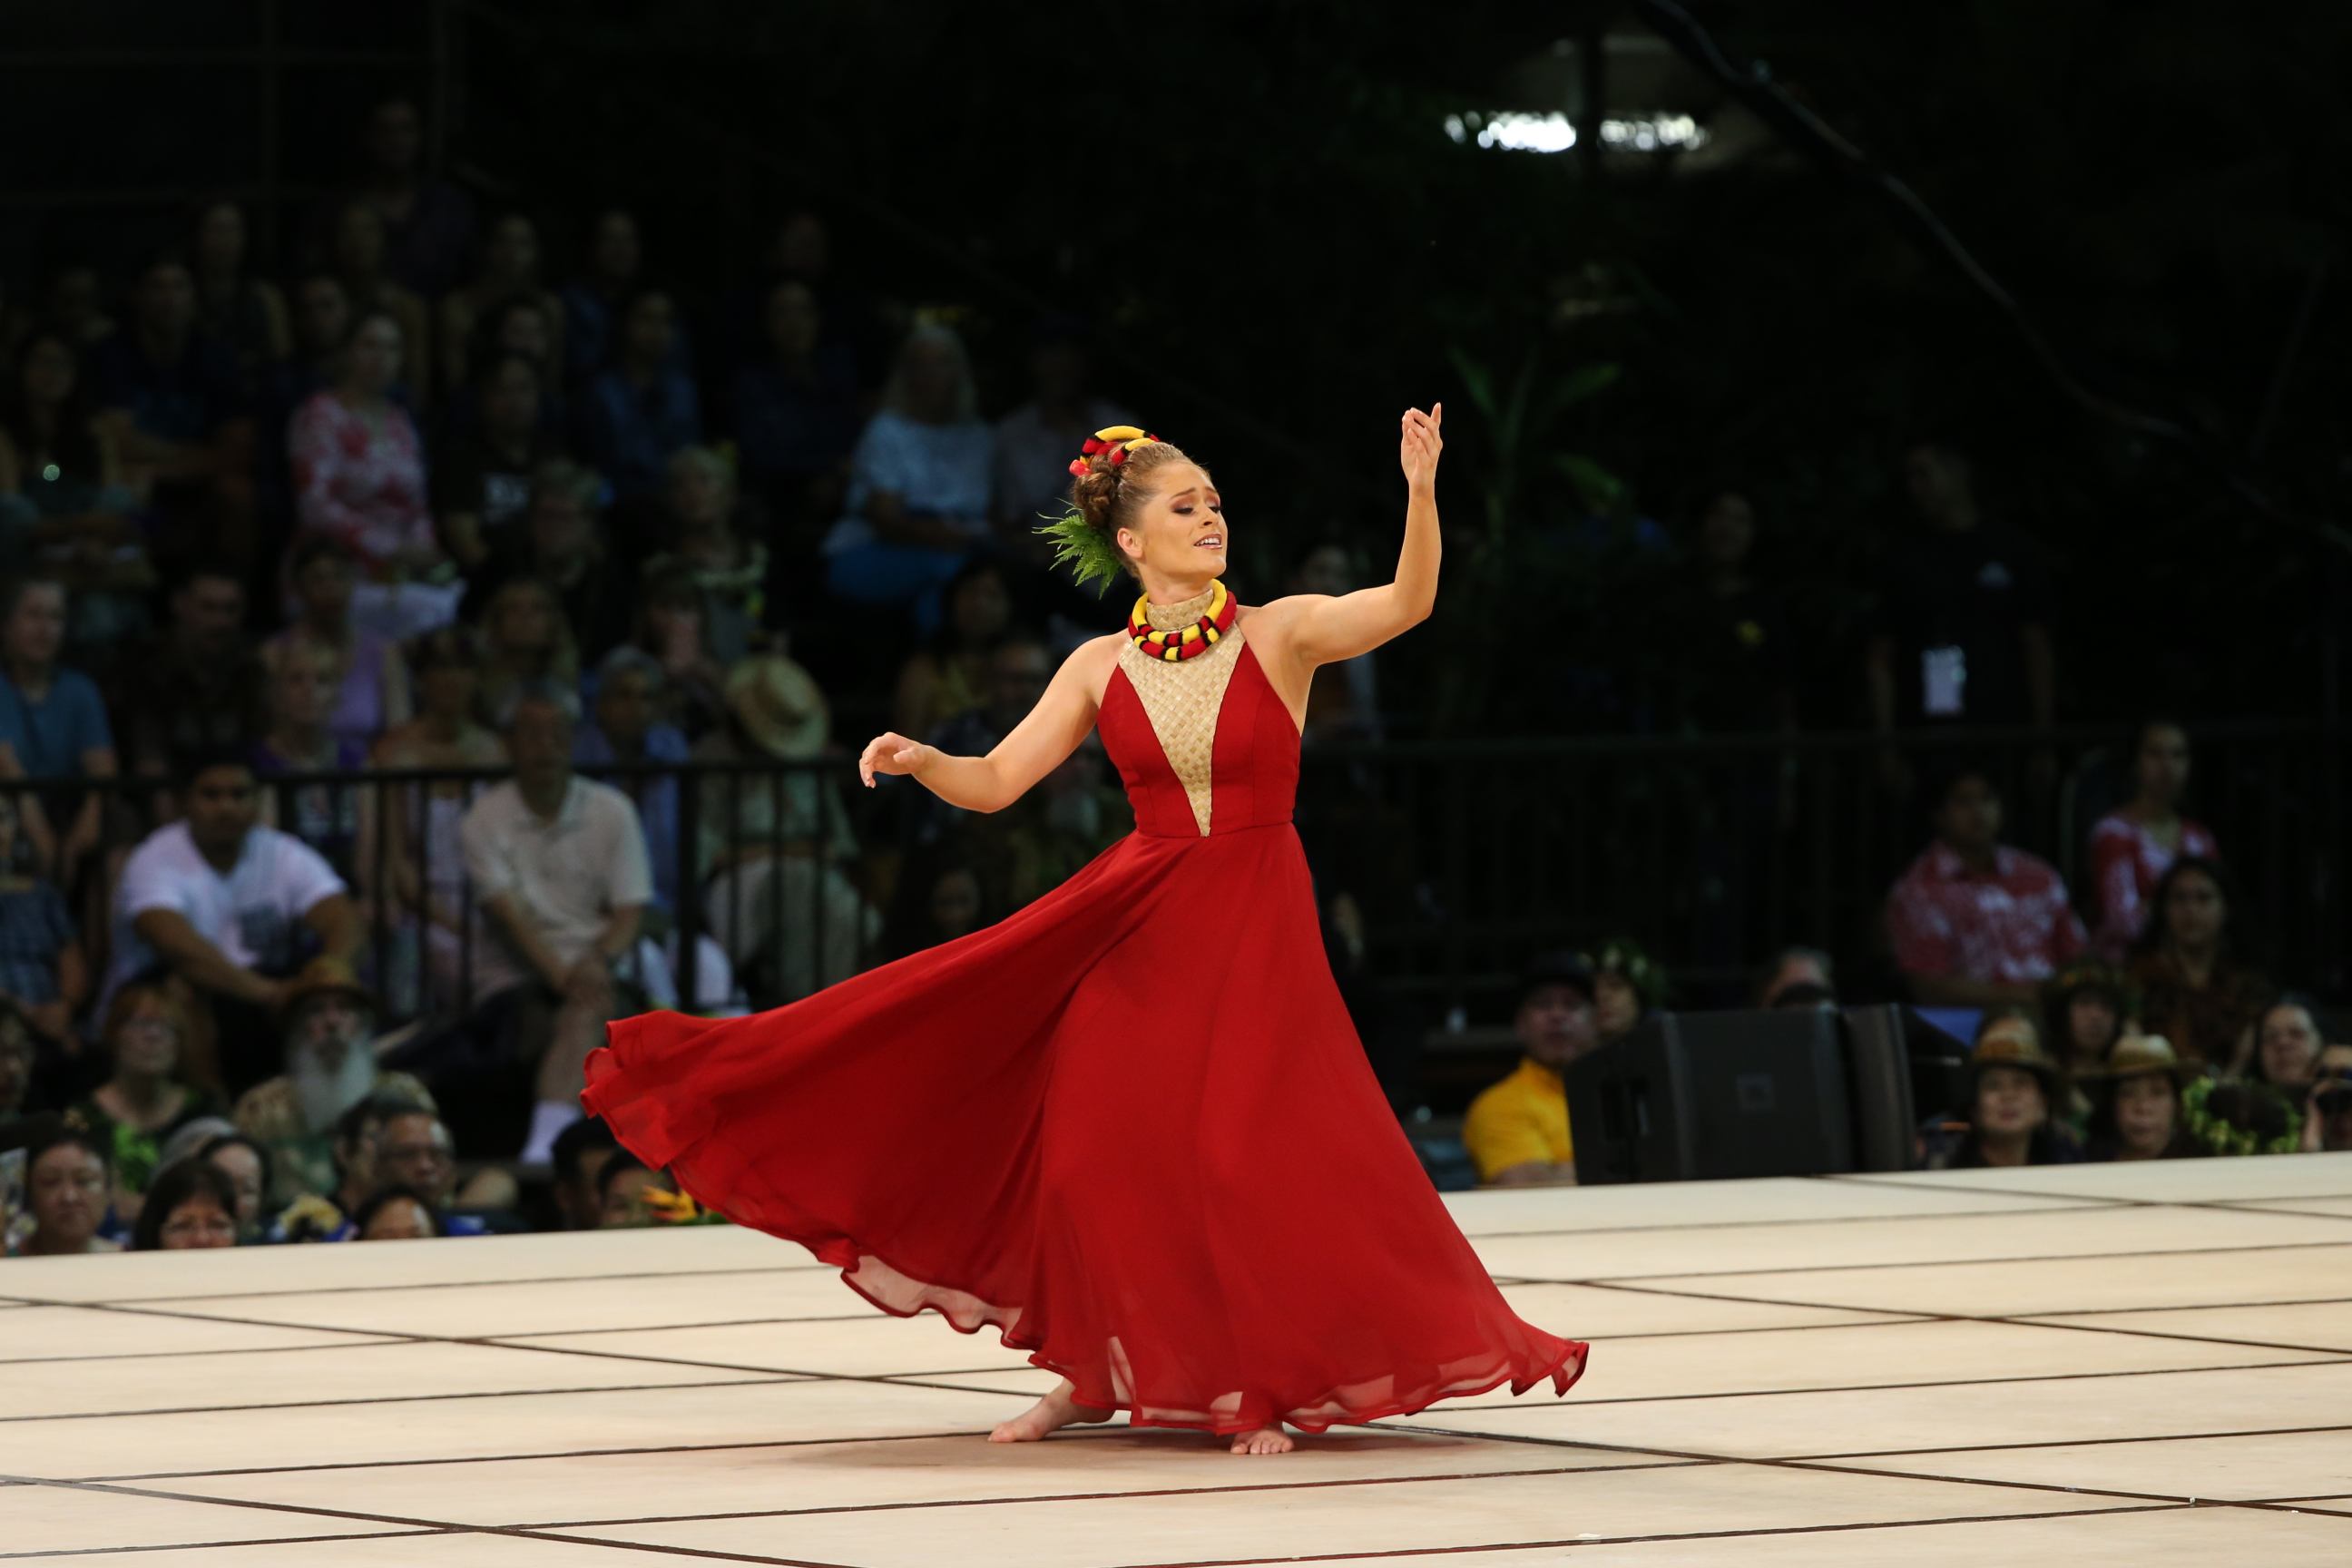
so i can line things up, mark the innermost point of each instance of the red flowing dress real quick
(1131, 1127)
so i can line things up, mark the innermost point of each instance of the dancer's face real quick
(1179, 533)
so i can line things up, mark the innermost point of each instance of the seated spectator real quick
(52, 726)
(518, 328)
(642, 408)
(527, 640)
(424, 862)
(615, 254)
(2136, 1113)
(369, 680)
(359, 464)
(1518, 1131)
(192, 1203)
(762, 824)
(582, 1152)
(918, 500)
(1975, 923)
(322, 321)
(2328, 1125)
(415, 1154)
(1798, 977)
(2288, 1043)
(561, 546)
(1625, 986)
(627, 729)
(357, 256)
(199, 686)
(247, 1165)
(174, 404)
(66, 1194)
(228, 905)
(1013, 678)
(73, 302)
(1738, 648)
(508, 269)
(2082, 1014)
(151, 1090)
(2134, 844)
(2197, 987)
(481, 481)
(559, 865)
(939, 897)
(713, 542)
(673, 629)
(2012, 1088)
(2242, 1116)
(329, 818)
(358, 1133)
(1029, 464)
(65, 509)
(796, 418)
(621, 1188)
(235, 308)
(396, 1214)
(1965, 604)
(428, 223)
(948, 675)
(330, 1066)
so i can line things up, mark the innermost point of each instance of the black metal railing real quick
(1464, 857)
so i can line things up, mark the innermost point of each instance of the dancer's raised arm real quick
(1318, 628)
(1036, 746)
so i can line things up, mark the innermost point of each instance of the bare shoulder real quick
(1091, 662)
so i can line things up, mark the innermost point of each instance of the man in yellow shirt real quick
(1516, 1131)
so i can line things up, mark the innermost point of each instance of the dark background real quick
(1259, 205)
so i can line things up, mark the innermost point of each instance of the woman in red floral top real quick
(359, 468)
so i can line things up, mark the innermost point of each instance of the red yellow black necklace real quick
(1185, 642)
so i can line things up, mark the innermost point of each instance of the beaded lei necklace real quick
(1184, 641)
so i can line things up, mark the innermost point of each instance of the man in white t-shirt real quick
(230, 906)
(560, 865)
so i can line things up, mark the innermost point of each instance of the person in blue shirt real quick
(52, 724)
(643, 409)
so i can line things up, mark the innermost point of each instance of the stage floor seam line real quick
(1938, 1263)
(1596, 1539)
(1675, 1464)
(409, 1399)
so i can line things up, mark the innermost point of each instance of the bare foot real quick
(1264, 1440)
(1056, 1409)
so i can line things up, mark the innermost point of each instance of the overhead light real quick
(1516, 132)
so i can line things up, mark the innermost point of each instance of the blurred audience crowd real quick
(411, 661)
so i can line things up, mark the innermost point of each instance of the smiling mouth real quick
(1210, 542)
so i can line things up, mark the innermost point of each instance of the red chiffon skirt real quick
(1130, 1128)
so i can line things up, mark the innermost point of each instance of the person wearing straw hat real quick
(2135, 1111)
(2012, 1085)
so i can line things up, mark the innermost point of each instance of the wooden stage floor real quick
(2129, 1364)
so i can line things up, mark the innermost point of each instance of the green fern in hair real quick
(1090, 552)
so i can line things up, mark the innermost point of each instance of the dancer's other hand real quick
(1422, 444)
(892, 753)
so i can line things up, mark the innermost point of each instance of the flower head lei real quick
(1092, 553)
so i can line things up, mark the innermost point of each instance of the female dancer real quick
(1130, 1126)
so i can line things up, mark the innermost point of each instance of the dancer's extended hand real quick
(1422, 444)
(892, 753)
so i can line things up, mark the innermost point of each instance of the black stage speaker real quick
(1699, 1096)
(1703, 1096)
